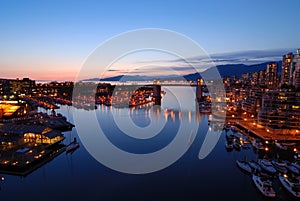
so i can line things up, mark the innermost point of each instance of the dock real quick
(263, 134)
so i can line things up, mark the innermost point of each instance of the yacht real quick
(264, 186)
(292, 186)
(244, 166)
(267, 166)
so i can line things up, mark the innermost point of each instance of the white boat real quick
(280, 166)
(267, 166)
(244, 166)
(254, 165)
(264, 186)
(292, 186)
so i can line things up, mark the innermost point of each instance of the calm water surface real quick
(79, 177)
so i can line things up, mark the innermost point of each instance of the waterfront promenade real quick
(263, 134)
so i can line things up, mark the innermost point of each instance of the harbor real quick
(270, 166)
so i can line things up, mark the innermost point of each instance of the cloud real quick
(201, 63)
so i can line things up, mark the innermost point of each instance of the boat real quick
(257, 144)
(280, 166)
(291, 167)
(237, 146)
(264, 186)
(293, 186)
(254, 165)
(296, 164)
(267, 166)
(72, 146)
(244, 166)
(229, 146)
(281, 146)
(234, 129)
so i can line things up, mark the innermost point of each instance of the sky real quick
(50, 40)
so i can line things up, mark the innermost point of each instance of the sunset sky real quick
(50, 40)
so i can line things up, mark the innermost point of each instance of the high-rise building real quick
(286, 68)
(262, 77)
(295, 71)
(272, 75)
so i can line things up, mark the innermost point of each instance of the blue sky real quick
(51, 39)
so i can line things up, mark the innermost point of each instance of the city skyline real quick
(51, 40)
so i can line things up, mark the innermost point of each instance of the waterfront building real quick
(21, 134)
(280, 111)
(11, 109)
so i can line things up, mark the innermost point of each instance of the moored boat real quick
(293, 186)
(72, 146)
(291, 167)
(234, 129)
(244, 166)
(280, 166)
(254, 165)
(237, 146)
(296, 164)
(229, 146)
(267, 166)
(264, 186)
(257, 144)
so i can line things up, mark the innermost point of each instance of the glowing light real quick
(266, 149)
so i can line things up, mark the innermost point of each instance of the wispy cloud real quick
(201, 63)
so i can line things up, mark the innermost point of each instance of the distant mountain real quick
(239, 69)
(224, 70)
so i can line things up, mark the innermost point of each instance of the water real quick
(79, 177)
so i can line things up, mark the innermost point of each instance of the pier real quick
(263, 134)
